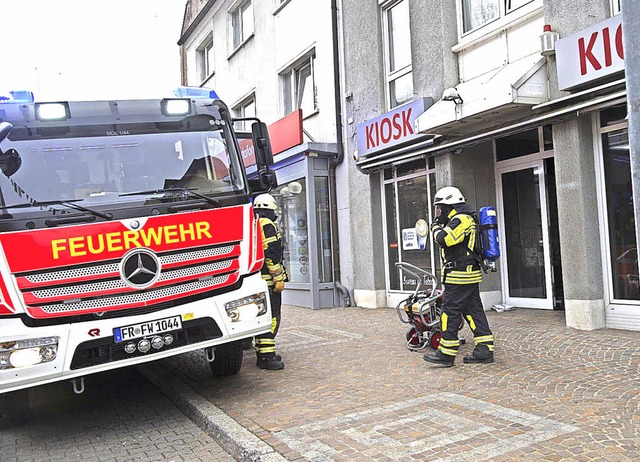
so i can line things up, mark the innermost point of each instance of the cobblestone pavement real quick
(120, 417)
(351, 391)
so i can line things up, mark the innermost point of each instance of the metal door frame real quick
(513, 165)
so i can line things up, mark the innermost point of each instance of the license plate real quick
(145, 329)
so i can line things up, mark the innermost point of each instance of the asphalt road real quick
(120, 417)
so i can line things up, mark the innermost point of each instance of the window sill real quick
(281, 6)
(496, 27)
(207, 79)
(239, 47)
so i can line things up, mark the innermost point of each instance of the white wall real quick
(279, 39)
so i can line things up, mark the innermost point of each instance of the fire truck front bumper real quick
(31, 356)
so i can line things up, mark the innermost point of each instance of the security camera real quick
(451, 94)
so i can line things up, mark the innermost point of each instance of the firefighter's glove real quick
(440, 219)
(435, 226)
(278, 287)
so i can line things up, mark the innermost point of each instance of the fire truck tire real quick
(13, 407)
(228, 359)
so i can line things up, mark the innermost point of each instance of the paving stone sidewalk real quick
(351, 391)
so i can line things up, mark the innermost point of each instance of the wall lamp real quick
(451, 94)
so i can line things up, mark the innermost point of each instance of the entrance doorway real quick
(530, 261)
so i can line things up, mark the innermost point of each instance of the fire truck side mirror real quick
(5, 128)
(10, 160)
(262, 144)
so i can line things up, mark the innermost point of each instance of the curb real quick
(233, 437)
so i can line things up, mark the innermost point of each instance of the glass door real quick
(526, 260)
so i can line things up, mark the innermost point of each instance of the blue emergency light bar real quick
(195, 92)
(18, 96)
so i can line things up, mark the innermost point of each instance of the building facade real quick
(274, 60)
(522, 105)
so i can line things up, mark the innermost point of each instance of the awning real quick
(490, 100)
(556, 111)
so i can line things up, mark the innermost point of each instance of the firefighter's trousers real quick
(462, 301)
(266, 343)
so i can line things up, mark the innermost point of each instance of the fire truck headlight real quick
(247, 308)
(24, 353)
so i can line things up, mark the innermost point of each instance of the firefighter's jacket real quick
(457, 240)
(273, 270)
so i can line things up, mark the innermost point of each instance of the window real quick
(621, 225)
(477, 13)
(615, 7)
(398, 53)
(407, 198)
(241, 24)
(245, 109)
(292, 200)
(513, 4)
(204, 59)
(299, 88)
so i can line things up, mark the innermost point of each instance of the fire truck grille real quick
(99, 270)
(106, 350)
(100, 289)
(118, 284)
(135, 298)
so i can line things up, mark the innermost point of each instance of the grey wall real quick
(472, 171)
(568, 17)
(363, 65)
(433, 33)
(433, 29)
(582, 266)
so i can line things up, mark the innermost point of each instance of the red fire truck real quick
(127, 235)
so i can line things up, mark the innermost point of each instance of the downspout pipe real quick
(340, 155)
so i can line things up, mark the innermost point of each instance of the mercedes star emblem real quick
(140, 268)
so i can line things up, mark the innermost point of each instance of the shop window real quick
(323, 230)
(245, 109)
(204, 59)
(241, 23)
(619, 207)
(547, 137)
(393, 254)
(399, 71)
(406, 200)
(292, 198)
(520, 144)
(299, 87)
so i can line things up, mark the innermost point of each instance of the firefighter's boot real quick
(270, 363)
(439, 359)
(481, 355)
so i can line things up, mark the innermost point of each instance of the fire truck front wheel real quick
(13, 407)
(227, 360)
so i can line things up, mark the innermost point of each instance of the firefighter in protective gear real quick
(454, 230)
(275, 274)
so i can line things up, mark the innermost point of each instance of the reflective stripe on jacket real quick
(457, 240)
(273, 269)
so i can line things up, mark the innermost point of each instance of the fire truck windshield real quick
(112, 169)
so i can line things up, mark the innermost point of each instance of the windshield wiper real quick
(71, 203)
(189, 192)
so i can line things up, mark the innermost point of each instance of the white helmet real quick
(448, 195)
(265, 201)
